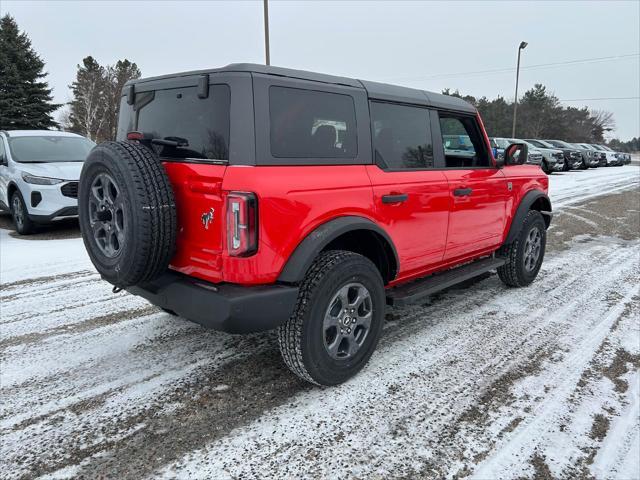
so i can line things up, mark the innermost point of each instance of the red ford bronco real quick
(249, 197)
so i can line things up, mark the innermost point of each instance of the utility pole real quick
(522, 46)
(266, 32)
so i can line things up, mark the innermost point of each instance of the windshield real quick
(49, 148)
(559, 143)
(607, 148)
(536, 143)
(528, 144)
(502, 142)
(599, 147)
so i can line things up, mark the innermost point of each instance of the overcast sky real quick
(428, 45)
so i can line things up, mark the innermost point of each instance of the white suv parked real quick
(39, 172)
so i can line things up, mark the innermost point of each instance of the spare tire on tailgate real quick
(127, 213)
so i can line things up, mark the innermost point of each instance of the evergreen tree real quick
(541, 115)
(25, 98)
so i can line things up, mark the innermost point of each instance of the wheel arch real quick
(353, 233)
(11, 188)
(533, 200)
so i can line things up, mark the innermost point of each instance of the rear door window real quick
(200, 125)
(311, 124)
(401, 136)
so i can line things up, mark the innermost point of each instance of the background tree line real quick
(541, 115)
(26, 101)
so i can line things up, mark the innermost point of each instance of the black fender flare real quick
(525, 205)
(11, 186)
(307, 250)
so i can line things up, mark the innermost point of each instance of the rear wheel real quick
(525, 254)
(337, 321)
(21, 220)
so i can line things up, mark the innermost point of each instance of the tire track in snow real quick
(394, 437)
(80, 399)
(548, 413)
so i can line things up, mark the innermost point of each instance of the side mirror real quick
(516, 154)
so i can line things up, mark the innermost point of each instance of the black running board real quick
(419, 289)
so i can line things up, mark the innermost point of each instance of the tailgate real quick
(200, 204)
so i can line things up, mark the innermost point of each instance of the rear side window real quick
(200, 124)
(463, 144)
(311, 124)
(401, 136)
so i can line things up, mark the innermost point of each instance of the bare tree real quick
(97, 93)
(602, 122)
(115, 78)
(64, 118)
(88, 107)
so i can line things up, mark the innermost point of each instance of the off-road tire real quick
(513, 273)
(301, 338)
(148, 207)
(545, 167)
(24, 225)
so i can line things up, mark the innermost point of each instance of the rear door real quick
(410, 196)
(478, 190)
(199, 119)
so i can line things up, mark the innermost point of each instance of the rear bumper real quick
(224, 307)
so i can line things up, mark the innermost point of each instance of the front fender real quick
(542, 204)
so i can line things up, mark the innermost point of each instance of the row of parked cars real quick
(561, 156)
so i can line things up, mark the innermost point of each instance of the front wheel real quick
(337, 321)
(21, 220)
(545, 167)
(525, 254)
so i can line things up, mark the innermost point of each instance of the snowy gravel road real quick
(481, 382)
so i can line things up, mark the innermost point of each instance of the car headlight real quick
(40, 180)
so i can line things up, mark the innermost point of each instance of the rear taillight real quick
(242, 224)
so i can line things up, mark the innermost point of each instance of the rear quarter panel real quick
(292, 202)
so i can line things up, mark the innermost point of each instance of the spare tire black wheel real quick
(127, 213)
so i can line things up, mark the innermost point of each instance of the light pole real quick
(266, 32)
(522, 46)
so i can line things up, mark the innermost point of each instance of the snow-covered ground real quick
(482, 381)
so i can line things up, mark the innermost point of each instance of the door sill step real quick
(419, 289)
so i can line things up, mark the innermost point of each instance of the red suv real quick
(249, 197)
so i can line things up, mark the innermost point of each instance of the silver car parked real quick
(552, 158)
(39, 172)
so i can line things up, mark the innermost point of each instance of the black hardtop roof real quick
(375, 90)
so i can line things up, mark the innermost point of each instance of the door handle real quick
(462, 192)
(395, 198)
